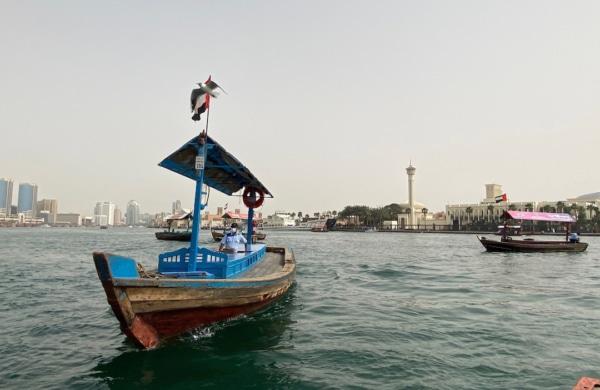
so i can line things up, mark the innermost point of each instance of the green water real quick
(369, 310)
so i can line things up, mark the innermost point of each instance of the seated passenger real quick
(232, 240)
(573, 237)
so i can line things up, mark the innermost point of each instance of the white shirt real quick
(233, 240)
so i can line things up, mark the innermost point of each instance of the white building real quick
(104, 213)
(489, 211)
(280, 219)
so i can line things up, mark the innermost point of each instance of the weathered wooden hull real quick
(152, 309)
(218, 236)
(531, 246)
(174, 236)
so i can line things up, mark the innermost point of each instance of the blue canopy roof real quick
(222, 171)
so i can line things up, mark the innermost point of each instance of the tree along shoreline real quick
(588, 219)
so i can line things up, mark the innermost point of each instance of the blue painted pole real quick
(250, 227)
(198, 207)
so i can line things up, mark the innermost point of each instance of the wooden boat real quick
(152, 306)
(531, 245)
(218, 235)
(174, 235)
(508, 244)
(193, 286)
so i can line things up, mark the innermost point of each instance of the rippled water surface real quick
(369, 310)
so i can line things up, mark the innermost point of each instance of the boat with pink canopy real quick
(508, 244)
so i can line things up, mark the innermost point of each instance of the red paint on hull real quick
(173, 322)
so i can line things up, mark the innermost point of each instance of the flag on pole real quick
(501, 198)
(200, 99)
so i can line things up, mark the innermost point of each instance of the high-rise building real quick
(50, 206)
(6, 189)
(104, 213)
(27, 203)
(118, 217)
(132, 215)
(176, 207)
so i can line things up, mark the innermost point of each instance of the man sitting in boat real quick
(232, 240)
(573, 237)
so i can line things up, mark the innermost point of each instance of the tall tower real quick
(27, 199)
(132, 215)
(410, 171)
(6, 190)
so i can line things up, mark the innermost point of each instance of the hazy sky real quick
(328, 100)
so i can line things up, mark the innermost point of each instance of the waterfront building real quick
(132, 214)
(213, 220)
(118, 217)
(6, 191)
(104, 213)
(49, 207)
(280, 219)
(87, 221)
(487, 210)
(27, 202)
(69, 219)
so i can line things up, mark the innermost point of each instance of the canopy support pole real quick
(198, 207)
(250, 226)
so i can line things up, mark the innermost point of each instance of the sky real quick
(328, 101)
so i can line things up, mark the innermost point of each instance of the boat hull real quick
(174, 236)
(531, 246)
(150, 310)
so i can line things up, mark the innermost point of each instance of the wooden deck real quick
(271, 264)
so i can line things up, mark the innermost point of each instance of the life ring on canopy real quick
(253, 197)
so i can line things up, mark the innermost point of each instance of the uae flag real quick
(200, 99)
(501, 198)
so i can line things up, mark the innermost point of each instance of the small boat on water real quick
(195, 286)
(176, 235)
(508, 244)
(324, 226)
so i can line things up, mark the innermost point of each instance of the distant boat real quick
(196, 286)
(173, 235)
(103, 227)
(324, 226)
(508, 244)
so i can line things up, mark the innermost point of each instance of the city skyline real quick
(91, 211)
(471, 92)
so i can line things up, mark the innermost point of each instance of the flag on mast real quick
(501, 198)
(200, 99)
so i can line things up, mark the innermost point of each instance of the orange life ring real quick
(253, 197)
